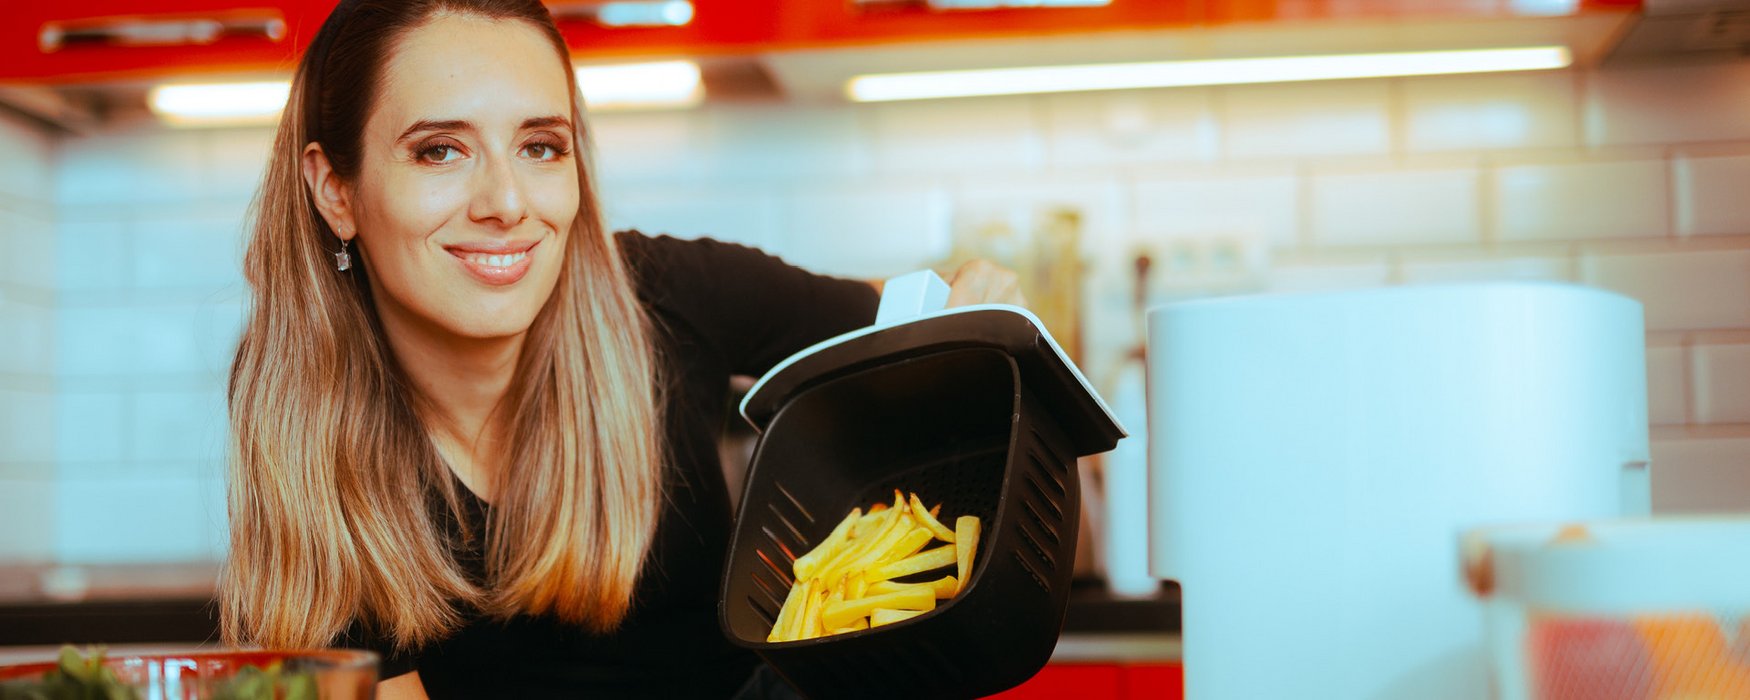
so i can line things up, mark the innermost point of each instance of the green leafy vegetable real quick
(81, 677)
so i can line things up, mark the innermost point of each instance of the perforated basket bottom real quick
(1653, 657)
(967, 483)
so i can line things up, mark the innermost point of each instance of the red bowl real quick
(339, 674)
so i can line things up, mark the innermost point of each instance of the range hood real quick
(1685, 31)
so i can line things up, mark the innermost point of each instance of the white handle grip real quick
(911, 295)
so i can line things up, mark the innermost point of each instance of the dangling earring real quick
(343, 259)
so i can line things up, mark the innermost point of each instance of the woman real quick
(471, 429)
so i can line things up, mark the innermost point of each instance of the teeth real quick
(497, 260)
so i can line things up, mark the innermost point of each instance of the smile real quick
(496, 263)
(496, 260)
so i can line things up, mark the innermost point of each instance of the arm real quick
(403, 687)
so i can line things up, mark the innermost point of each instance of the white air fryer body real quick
(1313, 459)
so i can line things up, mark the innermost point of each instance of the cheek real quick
(556, 202)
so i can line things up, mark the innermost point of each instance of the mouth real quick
(495, 263)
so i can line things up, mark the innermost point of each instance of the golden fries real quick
(845, 583)
(966, 534)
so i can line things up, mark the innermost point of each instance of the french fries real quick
(845, 583)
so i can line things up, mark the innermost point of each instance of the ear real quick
(333, 198)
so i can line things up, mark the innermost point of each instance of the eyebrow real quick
(425, 125)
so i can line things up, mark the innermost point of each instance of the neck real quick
(463, 382)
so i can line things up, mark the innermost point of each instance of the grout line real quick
(1671, 194)
(1303, 208)
(1487, 204)
(1397, 121)
(1700, 432)
(1686, 363)
(1583, 140)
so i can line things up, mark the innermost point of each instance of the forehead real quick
(488, 71)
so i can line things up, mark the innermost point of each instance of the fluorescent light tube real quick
(660, 85)
(212, 104)
(1228, 71)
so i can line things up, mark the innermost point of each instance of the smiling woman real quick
(472, 430)
(449, 442)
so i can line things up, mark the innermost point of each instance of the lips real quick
(495, 263)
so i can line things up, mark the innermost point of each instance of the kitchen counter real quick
(157, 604)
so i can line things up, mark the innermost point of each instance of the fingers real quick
(984, 282)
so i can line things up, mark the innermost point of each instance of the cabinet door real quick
(55, 41)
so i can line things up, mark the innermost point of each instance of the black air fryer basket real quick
(975, 408)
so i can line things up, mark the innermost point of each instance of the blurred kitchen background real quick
(121, 295)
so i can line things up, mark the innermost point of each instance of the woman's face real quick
(466, 187)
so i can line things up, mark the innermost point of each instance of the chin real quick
(486, 324)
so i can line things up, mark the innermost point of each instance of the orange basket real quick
(1630, 610)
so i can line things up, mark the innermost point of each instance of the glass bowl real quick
(334, 674)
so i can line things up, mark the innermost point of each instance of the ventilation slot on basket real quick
(1031, 571)
(1039, 492)
(794, 503)
(1059, 465)
(1048, 527)
(1051, 480)
(769, 613)
(1039, 550)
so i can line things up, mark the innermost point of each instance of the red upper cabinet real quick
(267, 35)
(173, 37)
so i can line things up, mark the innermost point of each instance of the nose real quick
(498, 194)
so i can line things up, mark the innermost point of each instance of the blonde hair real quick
(331, 463)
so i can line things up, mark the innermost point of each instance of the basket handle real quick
(911, 295)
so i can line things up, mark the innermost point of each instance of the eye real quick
(439, 153)
(543, 151)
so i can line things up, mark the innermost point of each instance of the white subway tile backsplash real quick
(1131, 127)
(982, 135)
(169, 340)
(1401, 207)
(1713, 195)
(93, 254)
(236, 160)
(1027, 204)
(1668, 104)
(1722, 383)
(199, 250)
(121, 340)
(868, 231)
(1304, 120)
(26, 338)
(641, 147)
(1438, 271)
(727, 213)
(25, 171)
(1701, 475)
(1263, 206)
(96, 341)
(1329, 276)
(92, 426)
(27, 426)
(130, 166)
(144, 519)
(785, 142)
(180, 426)
(134, 321)
(1680, 291)
(1667, 386)
(29, 242)
(218, 327)
(1581, 200)
(1529, 110)
(27, 519)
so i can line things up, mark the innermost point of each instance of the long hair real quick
(332, 467)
